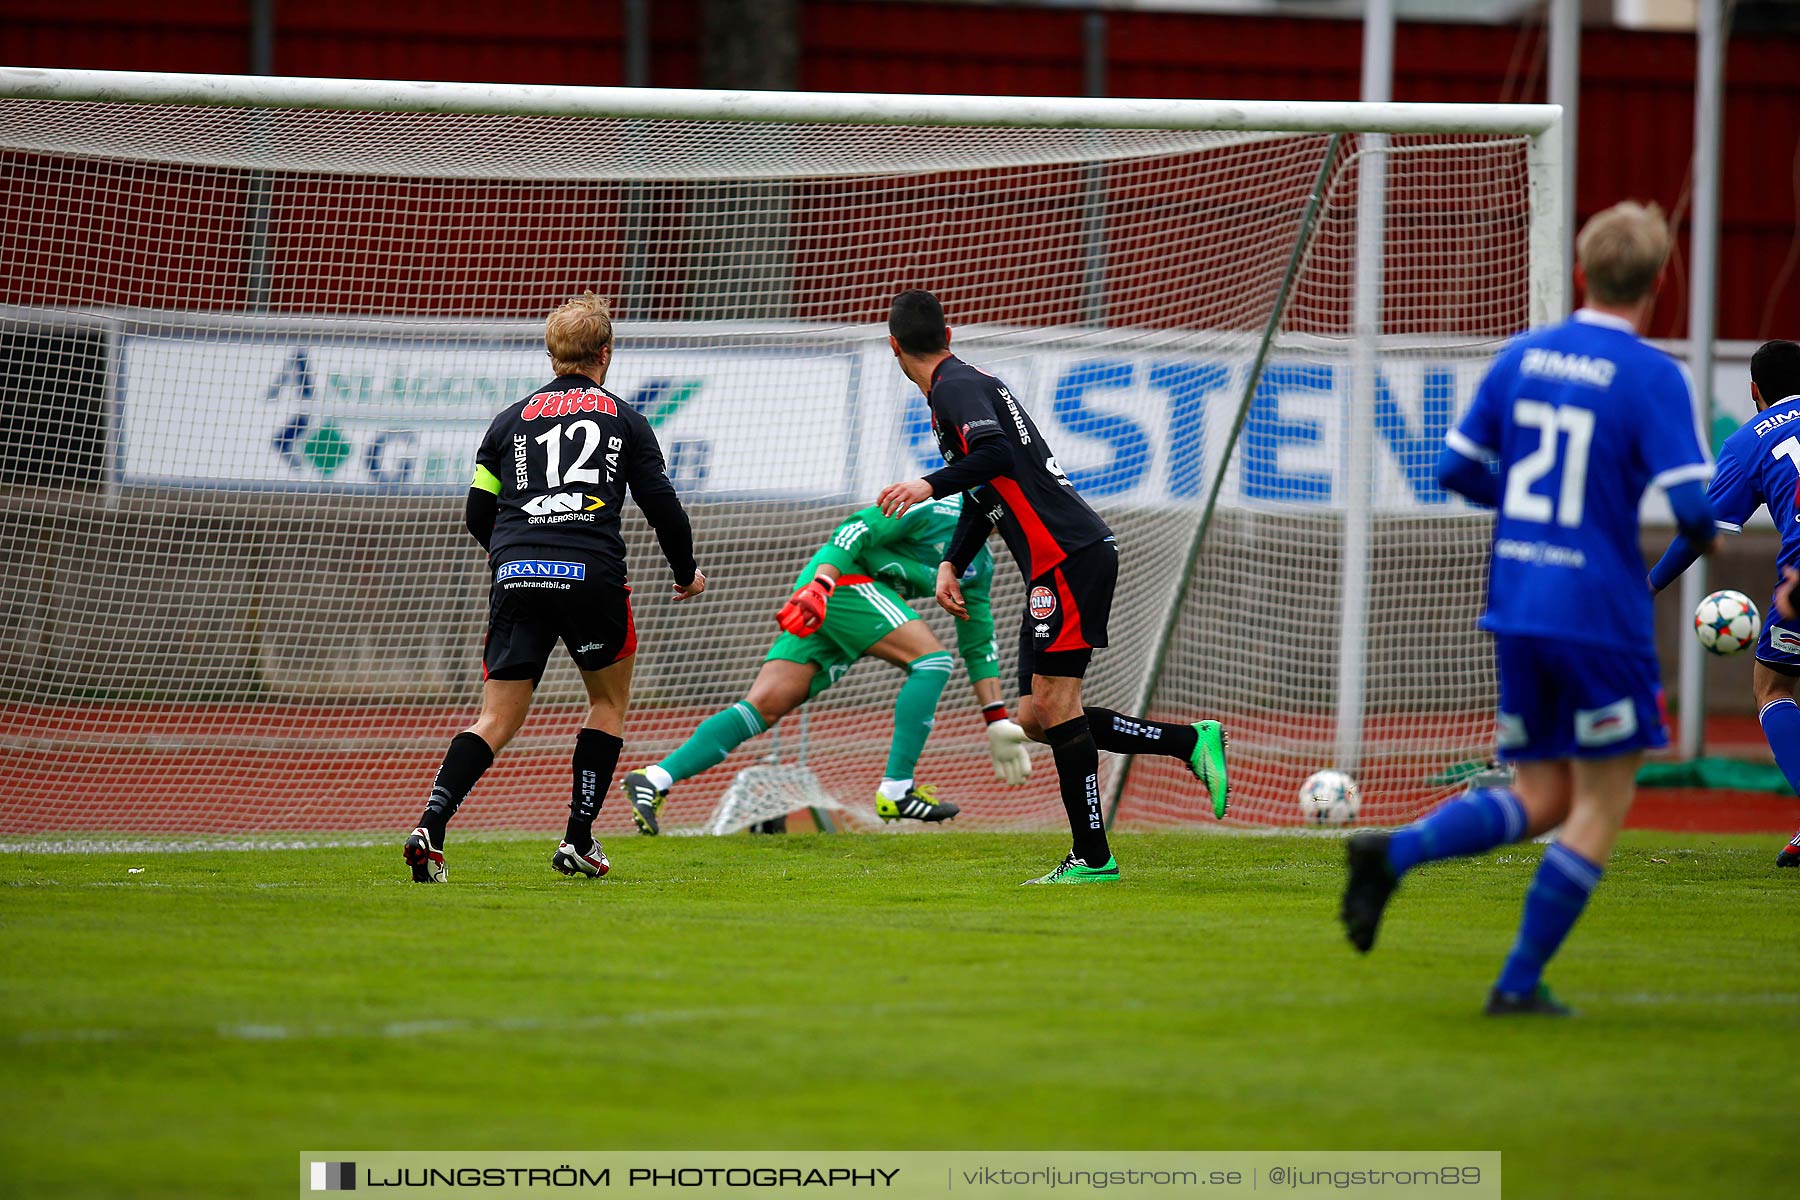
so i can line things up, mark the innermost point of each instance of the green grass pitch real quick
(188, 1029)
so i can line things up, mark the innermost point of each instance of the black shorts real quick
(1066, 611)
(534, 602)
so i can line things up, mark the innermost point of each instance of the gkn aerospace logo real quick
(556, 508)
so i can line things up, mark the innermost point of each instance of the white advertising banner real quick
(793, 417)
(236, 409)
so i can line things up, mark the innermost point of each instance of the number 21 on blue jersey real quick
(1557, 427)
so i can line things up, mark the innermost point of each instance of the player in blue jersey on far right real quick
(1758, 465)
(1579, 419)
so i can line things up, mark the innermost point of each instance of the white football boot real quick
(591, 863)
(426, 860)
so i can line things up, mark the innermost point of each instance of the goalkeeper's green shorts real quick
(860, 613)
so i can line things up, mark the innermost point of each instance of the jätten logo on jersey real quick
(1042, 603)
(562, 502)
(563, 404)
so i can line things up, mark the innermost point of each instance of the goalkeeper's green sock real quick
(714, 739)
(914, 710)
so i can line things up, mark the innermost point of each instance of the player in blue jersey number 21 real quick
(1570, 426)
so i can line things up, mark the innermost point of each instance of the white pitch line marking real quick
(258, 1032)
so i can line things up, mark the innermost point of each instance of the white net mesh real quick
(246, 356)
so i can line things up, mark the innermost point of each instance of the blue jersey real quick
(1581, 418)
(1758, 465)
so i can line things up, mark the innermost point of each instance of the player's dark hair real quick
(917, 322)
(1775, 370)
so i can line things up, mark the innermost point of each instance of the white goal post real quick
(251, 329)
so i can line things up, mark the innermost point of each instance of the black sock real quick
(596, 758)
(465, 760)
(1120, 734)
(1078, 771)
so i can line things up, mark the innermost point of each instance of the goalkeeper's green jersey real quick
(904, 552)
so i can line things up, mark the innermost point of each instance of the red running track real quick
(67, 768)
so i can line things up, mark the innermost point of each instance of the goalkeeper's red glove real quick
(805, 610)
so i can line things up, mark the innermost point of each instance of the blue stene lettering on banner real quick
(1410, 423)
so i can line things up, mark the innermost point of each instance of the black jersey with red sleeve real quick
(558, 464)
(996, 454)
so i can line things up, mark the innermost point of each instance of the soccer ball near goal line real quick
(1329, 798)
(1727, 622)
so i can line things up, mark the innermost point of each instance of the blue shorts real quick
(1559, 700)
(1779, 646)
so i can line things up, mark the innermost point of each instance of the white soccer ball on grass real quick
(1329, 798)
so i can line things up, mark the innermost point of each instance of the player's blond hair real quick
(1622, 250)
(578, 333)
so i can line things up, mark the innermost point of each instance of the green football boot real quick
(1074, 870)
(1208, 764)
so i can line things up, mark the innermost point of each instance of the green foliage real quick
(189, 1029)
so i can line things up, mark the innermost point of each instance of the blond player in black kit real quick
(550, 481)
(1070, 561)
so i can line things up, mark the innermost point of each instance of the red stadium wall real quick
(1637, 102)
(1636, 114)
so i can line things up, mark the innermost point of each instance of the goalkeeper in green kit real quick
(850, 602)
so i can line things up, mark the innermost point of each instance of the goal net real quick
(252, 331)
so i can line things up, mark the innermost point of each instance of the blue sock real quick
(1781, 725)
(1468, 824)
(1559, 891)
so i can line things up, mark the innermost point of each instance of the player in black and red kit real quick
(1070, 561)
(550, 483)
